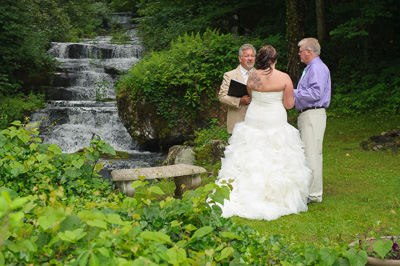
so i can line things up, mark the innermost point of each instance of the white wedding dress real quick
(266, 163)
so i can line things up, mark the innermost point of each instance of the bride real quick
(264, 161)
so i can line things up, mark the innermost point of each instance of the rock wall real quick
(152, 131)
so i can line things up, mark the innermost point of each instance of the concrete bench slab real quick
(185, 176)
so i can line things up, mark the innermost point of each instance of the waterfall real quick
(74, 113)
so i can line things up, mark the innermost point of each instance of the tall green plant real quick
(29, 167)
(180, 80)
(184, 80)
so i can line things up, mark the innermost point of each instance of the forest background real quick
(360, 43)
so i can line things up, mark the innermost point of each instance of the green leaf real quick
(113, 218)
(231, 235)
(226, 253)
(156, 190)
(328, 256)
(94, 260)
(41, 157)
(136, 184)
(202, 232)
(67, 236)
(104, 251)
(175, 223)
(18, 203)
(69, 223)
(46, 221)
(3, 140)
(24, 137)
(54, 148)
(357, 258)
(382, 248)
(84, 258)
(311, 255)
(97, 223)
(73, 172)
(190, 227)
(156, 236)
(78, 163)
(27, 244)
(2, 261)
(16, 170)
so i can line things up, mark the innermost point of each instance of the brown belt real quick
(310, 108)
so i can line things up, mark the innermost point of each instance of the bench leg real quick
(125, 187)
(187, 182)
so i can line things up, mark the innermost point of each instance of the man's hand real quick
(246, 99)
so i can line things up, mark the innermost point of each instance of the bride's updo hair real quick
(266, 56)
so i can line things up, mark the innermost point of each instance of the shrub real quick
(183, 81)
(29, 167)
(18, 107)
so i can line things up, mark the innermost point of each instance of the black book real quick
(237, 88)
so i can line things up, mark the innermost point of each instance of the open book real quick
(237, 88)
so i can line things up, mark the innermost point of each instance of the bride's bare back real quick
(272, 80)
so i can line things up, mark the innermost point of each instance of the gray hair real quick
(246, 47)
(311, 44)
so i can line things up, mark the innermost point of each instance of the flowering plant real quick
(385, 248)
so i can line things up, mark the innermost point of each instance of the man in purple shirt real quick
(312, 96)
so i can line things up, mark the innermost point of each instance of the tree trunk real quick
(294, 33)
(321, 20)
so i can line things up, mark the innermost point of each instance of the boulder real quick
(180, 154)
(152, 131)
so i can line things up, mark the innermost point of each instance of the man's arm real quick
(223, 93)
(231, 101)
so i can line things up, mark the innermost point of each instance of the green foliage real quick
(124, 5)
(183, 81)
(101, 90)
(156, 27)
(28, 27)
(18, 107)
(23, 45)
(361, 92)
(29, 167)
(137, 231)
(87, 17)
(43, 227)
(204, 151)
(161, 22)
(179, 81)
(363, 56)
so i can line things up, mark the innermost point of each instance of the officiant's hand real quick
(246, 99)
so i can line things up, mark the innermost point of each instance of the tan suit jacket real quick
(236, 112)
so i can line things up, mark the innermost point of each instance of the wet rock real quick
(385, 141)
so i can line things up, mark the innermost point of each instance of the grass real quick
(361, 188)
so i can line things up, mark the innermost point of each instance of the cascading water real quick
(74, 113)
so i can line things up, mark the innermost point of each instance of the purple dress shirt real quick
(314, 88)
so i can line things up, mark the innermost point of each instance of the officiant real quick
(237, 106)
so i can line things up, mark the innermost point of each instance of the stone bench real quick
(185, 176)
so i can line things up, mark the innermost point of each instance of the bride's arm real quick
(288, 99)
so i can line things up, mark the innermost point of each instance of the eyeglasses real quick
(300, 51)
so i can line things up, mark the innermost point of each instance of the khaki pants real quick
(312, 124)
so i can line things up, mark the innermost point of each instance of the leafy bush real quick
(41, 230)
(183, 81)
(29, 167)
(179, 80)
(18, 107)
(362, 92)
(52, 211)
(204, 150)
